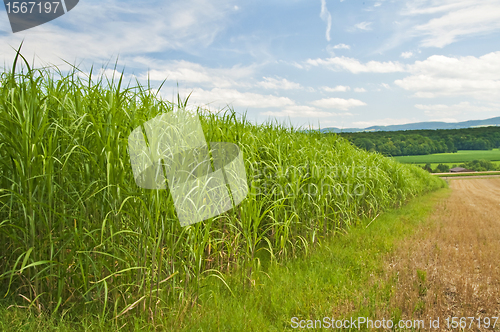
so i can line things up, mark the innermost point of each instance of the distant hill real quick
(420, 126)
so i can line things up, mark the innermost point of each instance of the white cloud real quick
(456, 19)
(327, 18)
(439, 75)
(298, 111)
(354, 66)
(219, 98)
(363, 26)
(338, 88)
(97, 31)
(342, 46)
(385, 85)
(273, 83)
(377, 4)
(189, 72)
(338, 103)
(407, 55)
(359, 90)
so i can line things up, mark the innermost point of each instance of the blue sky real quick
(328, 63)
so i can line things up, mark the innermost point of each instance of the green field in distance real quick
(459, 157)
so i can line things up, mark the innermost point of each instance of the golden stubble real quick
(450, 268)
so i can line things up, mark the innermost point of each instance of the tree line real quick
(422, 142)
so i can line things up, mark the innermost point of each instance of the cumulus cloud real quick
(327, 18)
(338, 103)
(359, 90)
(275, 84)
(440, 75)
(354, 66)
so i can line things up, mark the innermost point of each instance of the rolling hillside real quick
(421, 126)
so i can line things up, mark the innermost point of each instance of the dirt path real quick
(451, 268)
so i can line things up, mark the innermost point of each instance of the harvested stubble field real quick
(450, 267)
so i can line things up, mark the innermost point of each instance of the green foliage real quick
(480, 165)
(427, 167)
(364, 143)
(441, 168)
(80, 236)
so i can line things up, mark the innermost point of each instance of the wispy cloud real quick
(283, 84)
(354, 66)
(456, 19)
(363, 26)
(327, 18)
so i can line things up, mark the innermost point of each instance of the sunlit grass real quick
(79, 236)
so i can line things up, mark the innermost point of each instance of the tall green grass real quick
(78, 235)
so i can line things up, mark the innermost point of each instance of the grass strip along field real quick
(448, 158)
(468, 174)
(80, 239)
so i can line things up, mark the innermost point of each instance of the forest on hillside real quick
(422, 142)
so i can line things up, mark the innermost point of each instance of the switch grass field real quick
(82, 241)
